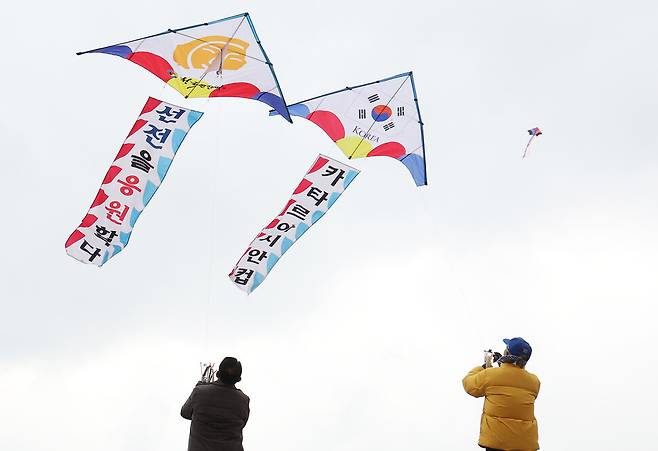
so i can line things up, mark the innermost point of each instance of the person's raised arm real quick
(475, 382)
(186, 411)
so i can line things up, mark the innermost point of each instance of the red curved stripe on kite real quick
(151, 104)
(303, 186)
(245, 252)
(290, 202)
(272, 224)
(153, 63)
(100, 198)
(392, 149)
(75, 236)
(139, 124)
(328, 122)
(318, 164)
(124, 150)
(111, 174)
(88, 221)
(241, 89)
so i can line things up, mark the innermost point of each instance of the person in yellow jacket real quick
(508, 419)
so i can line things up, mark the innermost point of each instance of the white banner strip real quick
(130, 183)
(317, 192)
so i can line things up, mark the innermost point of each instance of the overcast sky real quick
(359, 338)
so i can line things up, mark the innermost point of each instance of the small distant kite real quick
(533, 132)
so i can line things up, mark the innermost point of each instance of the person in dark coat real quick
(218, 411)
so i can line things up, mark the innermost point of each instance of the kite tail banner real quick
(316, 193)
(133, 178)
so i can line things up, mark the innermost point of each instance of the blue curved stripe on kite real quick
(285, 245)
(416, 165)
(317, 215)
(177, 139)
(163, 167)
(106, 257)
(258, 279)
(348, 178)
(133, 216)
(149, 191)
(192, 117)
(124, 237)
(275, 102)
(119, 50)
(117, 249)
(271, 261)
(300, 110)
(332, 199)
(301, 229)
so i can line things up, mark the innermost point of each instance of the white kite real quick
(222, 58)
(375, 119)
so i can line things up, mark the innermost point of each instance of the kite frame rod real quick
(269, 64)
(349, 88)
(170, 30)
(420, 121)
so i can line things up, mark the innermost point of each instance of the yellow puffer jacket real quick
(508, 417)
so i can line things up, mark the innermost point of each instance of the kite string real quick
(453, 273)
(213, 214)
(456, 275)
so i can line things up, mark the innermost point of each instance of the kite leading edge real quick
(223, 58)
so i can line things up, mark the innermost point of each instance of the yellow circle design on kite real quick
(202, 53)
(354, 146)
(191, 87)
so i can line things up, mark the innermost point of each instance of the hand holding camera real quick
(490, 357)
(207, 373)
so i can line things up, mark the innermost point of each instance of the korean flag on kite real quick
(381, 118)
(223, 58)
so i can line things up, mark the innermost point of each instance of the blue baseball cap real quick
(518, 347)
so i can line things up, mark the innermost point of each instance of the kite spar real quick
(223, 58)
